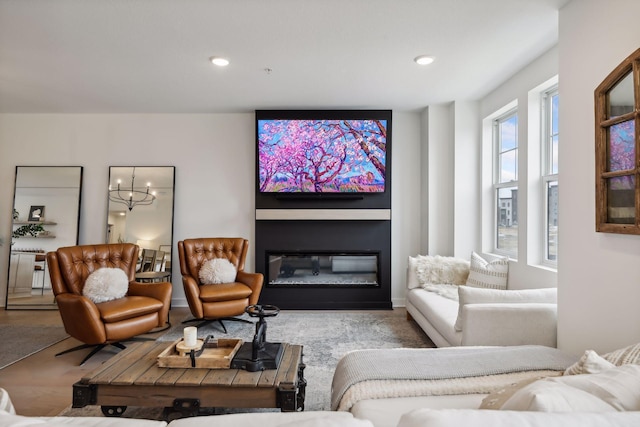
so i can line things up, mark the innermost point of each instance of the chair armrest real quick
(254, 281)
(81, 318)
(158, 290)
(510, 324)
(192, 293)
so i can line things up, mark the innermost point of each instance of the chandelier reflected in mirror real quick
(132, 196)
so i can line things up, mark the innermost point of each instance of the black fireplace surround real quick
(320, 238)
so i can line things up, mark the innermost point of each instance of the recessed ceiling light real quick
(220, 62)
(423, 60)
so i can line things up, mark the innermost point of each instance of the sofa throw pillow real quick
(217, 270)
(441, 270)
(488, 274)
(623, 356)
(618, 386)
(496, 399)
(547, 396)
(589, 363)
(106, 284)
(471, 295)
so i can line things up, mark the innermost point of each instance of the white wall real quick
(599, 276)
(214, 159)
(440, 170)
(405, 199)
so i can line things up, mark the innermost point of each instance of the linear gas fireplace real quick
(324, 264)
(323, 269)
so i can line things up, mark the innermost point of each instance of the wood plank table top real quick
(133, 378)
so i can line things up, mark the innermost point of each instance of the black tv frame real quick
(302, 200)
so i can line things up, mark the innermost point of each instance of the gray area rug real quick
(20, 341)
(326, 337)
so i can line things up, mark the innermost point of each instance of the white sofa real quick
(487, 316)
(593, 391)
(604, 392)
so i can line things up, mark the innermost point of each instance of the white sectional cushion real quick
(387, 412)
(412, 274)
(106, 284)
(484, 418)
(488, 274)
(471, 295)
(272, 419)
(440, 312)
(9, 420)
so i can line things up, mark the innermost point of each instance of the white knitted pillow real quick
(485, 274)
(106, 284)
(623, 356)
(217, 270)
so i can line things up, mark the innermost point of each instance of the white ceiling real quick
(151, 56)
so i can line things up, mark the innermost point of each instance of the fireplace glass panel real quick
(323, 269)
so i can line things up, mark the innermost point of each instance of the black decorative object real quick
(259, 354)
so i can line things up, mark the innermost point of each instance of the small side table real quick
(153, 276)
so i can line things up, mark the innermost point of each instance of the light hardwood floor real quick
(41, 384)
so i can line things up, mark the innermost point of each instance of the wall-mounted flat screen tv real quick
(322, 151)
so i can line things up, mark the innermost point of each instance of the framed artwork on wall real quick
(617, 108)
(36, 213)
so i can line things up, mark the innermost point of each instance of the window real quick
(617, 111)
(505, 133)
(550, 174)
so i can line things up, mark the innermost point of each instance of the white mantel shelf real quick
(323, 214)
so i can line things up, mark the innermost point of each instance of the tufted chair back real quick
(196, 252)
(76, 263)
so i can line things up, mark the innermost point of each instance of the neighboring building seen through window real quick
(506, 183)
(550, 174)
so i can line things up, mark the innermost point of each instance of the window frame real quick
(631, 65)
(497, 184)
(548, 175)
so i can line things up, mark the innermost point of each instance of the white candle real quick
(190, 336)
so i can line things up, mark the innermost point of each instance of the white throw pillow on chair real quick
(106, 284)
(217, 270)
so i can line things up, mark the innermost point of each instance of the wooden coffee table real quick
(133, 378)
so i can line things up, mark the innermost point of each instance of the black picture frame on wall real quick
(36, 213)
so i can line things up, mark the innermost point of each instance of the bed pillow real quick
(441, 270)
(217, 270)
(589, 363)
(106, 284)
(471, 295)
(488, 274)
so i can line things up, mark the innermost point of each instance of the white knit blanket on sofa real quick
(385, 373)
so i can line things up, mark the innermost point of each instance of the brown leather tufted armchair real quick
(221, 301)
(143, 308)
